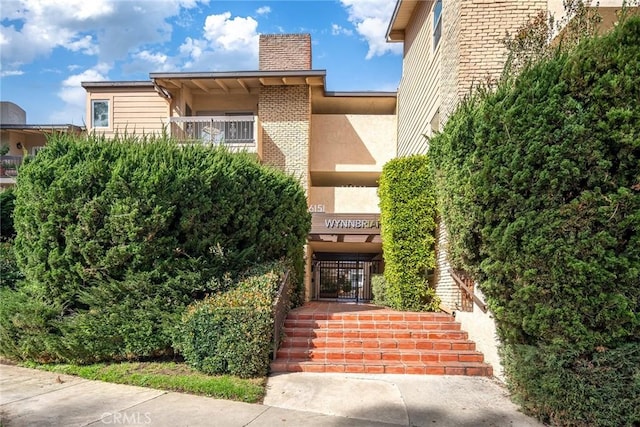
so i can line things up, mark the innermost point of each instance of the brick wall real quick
(285, 113)
(451, 59)
(280, 52)
(434, 80)
(482, 52)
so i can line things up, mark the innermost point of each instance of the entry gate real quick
(345, 279)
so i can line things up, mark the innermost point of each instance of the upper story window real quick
(437, 23)
(100, 113)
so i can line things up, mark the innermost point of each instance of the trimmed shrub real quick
(124, 234)
(10, 274)
(232, 332)
(408, 217)
(379, 289)
(541, 194)
(7, 204)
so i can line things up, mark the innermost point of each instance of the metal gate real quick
(345, 279)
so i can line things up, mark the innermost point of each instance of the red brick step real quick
(360, 338)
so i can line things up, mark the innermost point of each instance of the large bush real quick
(232, 332)
(541, 193)
(115, 238)
(408, 216)
(7, 204)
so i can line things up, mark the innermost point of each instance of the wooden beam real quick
(244, 85)
(201, 85)
(176, 84)
(223, 86)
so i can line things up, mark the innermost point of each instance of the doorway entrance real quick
(344, 276)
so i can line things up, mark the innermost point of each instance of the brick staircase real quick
(362, 338)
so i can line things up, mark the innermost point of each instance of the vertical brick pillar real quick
(285, 114)
(279, 52)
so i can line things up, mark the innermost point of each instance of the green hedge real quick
(232, 332)
(408, 217)
(7, 204)
(540, 190)
(117, 237)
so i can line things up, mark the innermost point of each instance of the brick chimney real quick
(280, 52)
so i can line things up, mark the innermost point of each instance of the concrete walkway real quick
(36, 398)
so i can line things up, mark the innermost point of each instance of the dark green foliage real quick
(10, 274)
(408, 216)
(7, 204)
(379, 289)
(122, 235)
(540, 191)
(232, 332)
(562, 388)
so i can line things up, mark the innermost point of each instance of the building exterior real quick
(335, 143)
(449, 48)
(21, 139)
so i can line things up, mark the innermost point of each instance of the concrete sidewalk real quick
(36, 398)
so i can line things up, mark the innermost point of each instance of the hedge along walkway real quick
(539, 188)
(116, 238)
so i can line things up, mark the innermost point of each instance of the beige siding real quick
(418, 98)
(131, 110)
(145, 112)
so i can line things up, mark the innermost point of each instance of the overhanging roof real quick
(237, 81)
(41, 128)
(400, 19)
(360, 94)
(123, 84)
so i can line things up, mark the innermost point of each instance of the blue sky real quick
(48, 47)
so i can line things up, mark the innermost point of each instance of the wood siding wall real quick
(132, 110)
(418, 90)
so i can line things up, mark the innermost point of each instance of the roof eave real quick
(399, 20)
(238, 74)
(103, 84)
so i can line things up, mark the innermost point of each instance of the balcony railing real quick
(238, 133)
(9, 166)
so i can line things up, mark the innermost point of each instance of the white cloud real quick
(264, 10)
(371, 19)
(231, 34)
(337, 30)
(227, 44)
(74, 95)
(11, 73)
(146, 60)
(109, 29)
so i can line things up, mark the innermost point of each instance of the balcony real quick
(236, 133)
(9, 166)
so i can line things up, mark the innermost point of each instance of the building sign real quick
(326, 223)
(351, 223)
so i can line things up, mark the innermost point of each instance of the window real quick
(435, 123)
(35, 150)
(100, 113)
(437, 23)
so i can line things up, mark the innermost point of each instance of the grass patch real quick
(168, 376)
